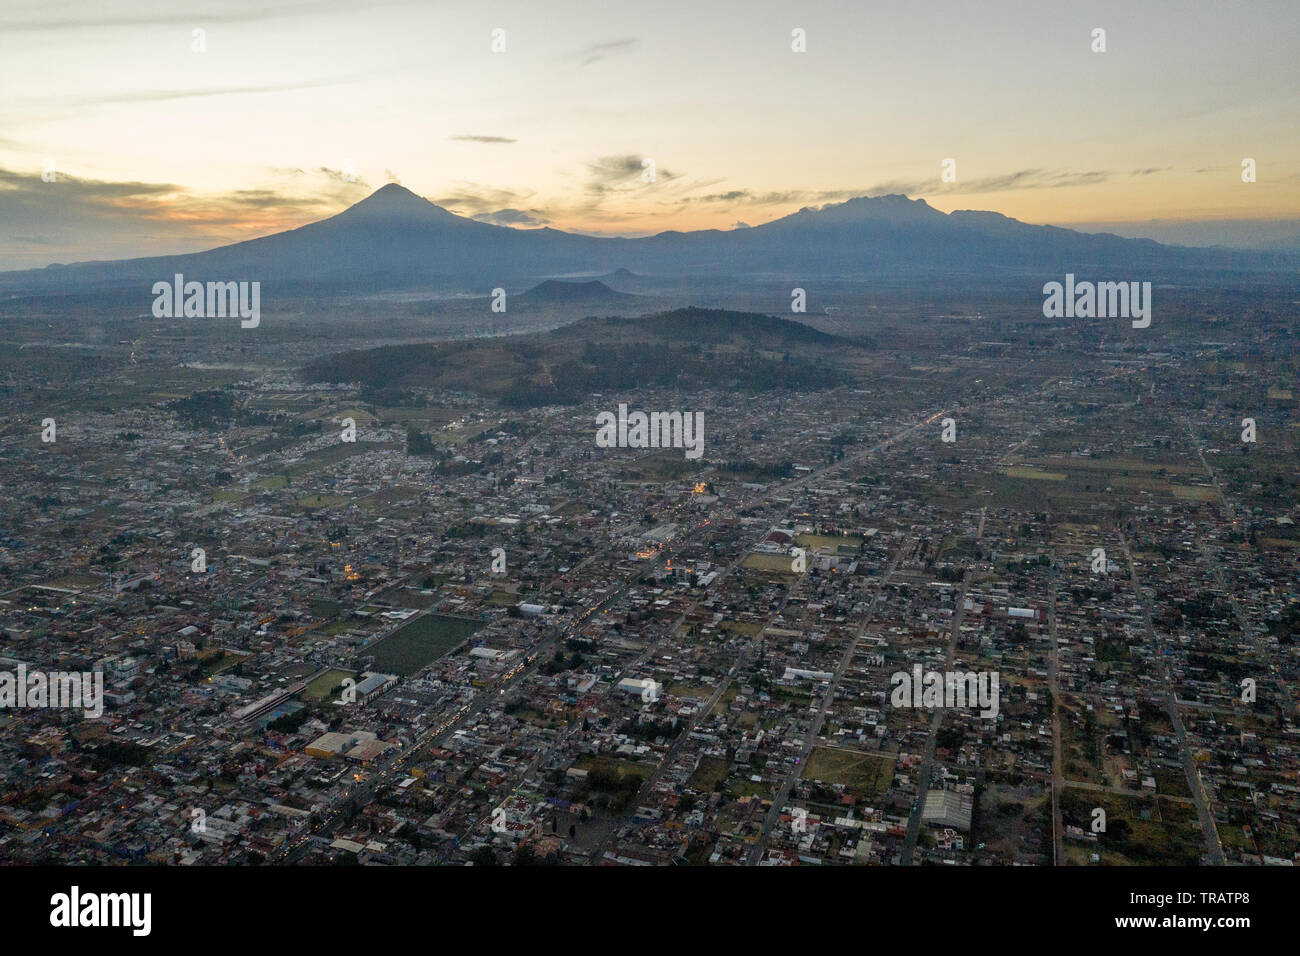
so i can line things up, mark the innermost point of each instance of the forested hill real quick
(686, 348)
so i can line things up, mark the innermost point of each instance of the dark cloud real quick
(1007, 182)
(75, 218)
(601, 51)
(164, 201)
(473, 200)
(773, 198)
(344, 178)
(611, 170)
(85, 190)
(513, 217)
(617, 173)
(1021, 179)
(484, 139)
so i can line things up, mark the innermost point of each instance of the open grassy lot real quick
(669, 464)
(324, 608)
(408, 597)
(1140, 830)
(824, 541)
(322, 501)
(419, 642)
(430, 415)
(620, 770)
(777, 563)
(221, 661)
(1195, 493)
(864, 775)
(708, 774)
(1034, 474)
(1279, 542)
(75, 582)
(1122, 466)
(724, 702)
(1056, 482)
(739, 786)
(1080, 742)
(326, 684)
(331, 454)
(358, 415)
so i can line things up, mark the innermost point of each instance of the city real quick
(471, 634)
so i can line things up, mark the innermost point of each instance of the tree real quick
(484, 856)
(525, 855)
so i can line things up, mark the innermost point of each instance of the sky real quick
(287, 111)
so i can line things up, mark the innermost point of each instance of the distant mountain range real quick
(394, 239)
(592, 294)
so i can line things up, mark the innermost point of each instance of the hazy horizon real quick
(1273, 236)
(162, 140)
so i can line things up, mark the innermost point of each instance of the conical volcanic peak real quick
(395, 203)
